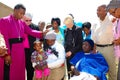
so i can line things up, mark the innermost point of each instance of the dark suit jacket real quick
(75, 44)
(32, 39)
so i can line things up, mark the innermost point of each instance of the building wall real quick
(5, 10)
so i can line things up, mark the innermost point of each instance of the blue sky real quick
(83, 10)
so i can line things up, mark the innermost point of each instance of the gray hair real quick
(113, 4)
(29, 15)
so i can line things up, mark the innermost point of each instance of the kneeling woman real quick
(88, 65)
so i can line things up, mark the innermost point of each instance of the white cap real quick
(50, 35)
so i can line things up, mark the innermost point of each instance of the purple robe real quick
(116, 33)
(13, 28)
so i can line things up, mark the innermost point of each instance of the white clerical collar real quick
(86, 53)
(70, 28)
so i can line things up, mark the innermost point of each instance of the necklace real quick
(18, 28)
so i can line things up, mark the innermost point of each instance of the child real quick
(38, 58)
(56, 56)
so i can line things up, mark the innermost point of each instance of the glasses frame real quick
(28, 20)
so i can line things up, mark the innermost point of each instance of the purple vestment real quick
(116, 31)
(13, 28)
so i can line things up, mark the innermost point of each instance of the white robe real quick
(2, 41)
(83, 76)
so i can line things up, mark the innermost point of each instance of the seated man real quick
(88, 65)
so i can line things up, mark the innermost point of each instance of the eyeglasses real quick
(28, 20)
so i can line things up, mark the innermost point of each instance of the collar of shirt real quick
(54, 45)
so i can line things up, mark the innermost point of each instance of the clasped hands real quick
(74, 71)
(41, 67)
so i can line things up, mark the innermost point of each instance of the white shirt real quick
(83, 76)
(2, 41)
(102, 32)
(54, 61)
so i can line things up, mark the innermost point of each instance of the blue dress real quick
(94, 64)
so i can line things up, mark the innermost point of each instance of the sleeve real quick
(2, 45)
(78, 41)
(93, 31)
(32, 32)
(101, 60)
(76, 58)
(62, 31)
(4, 30)
(99, 66)
(60, 60)
(2, 41)
(45, 56)
(33, 57)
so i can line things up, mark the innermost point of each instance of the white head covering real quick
(29, 15)
(50, 35)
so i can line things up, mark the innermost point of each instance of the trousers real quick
(108, 53)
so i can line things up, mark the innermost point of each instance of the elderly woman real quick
(87, 65)
(56, 57)
(73, 38)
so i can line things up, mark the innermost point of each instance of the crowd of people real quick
(52, 52)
